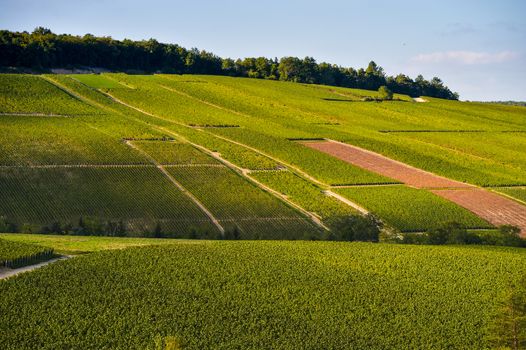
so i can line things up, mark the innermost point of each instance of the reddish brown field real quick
(496, 209)
(385, 166)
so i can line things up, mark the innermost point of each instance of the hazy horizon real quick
(478, 48)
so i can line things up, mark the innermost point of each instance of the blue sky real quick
(478, 48)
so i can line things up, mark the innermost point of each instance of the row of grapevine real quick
(239, 155)
(15, 254)
(37, 140)
(230, 197)
(32, 94)
(304, 193)
(176, 153)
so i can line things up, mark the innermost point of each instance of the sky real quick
(477, 47)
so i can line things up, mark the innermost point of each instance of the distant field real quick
(286, 295)
(97, 81)
(70, 127)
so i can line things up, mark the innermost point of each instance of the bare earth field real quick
(496, 209)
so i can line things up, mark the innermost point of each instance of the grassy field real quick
(84, 120)
(281, 295)
(85, 244)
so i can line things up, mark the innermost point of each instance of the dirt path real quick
(419, 99)
(346, 201)
(496, 209)
(201, 206)
(6, 273)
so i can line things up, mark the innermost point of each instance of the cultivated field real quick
(281, 295)
(203, 155)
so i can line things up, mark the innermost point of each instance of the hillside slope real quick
(195, 156)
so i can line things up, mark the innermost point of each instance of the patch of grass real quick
(97, 81)
(84, 244)
(515, 192)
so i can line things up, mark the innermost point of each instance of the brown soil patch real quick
(385, 166)
(488, 205)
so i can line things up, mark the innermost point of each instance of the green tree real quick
(356, 228)
(385, 93)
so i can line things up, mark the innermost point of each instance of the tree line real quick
(43, 49)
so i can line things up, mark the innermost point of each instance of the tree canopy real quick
(43, 49)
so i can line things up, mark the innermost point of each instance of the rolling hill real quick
(201, 156)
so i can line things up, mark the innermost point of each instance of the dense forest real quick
(42, 49)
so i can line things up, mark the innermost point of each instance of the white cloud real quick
(465, 57)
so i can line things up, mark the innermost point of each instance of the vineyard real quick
(515, 192)
(140, 196)
(121, 143)
(411, 209)
(304, 193)
(255, 213)
(26, 94)
(195, 163)
(280, 295)
(15, 254)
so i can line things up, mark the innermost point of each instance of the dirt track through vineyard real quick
(496, 209)
(6, 273)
